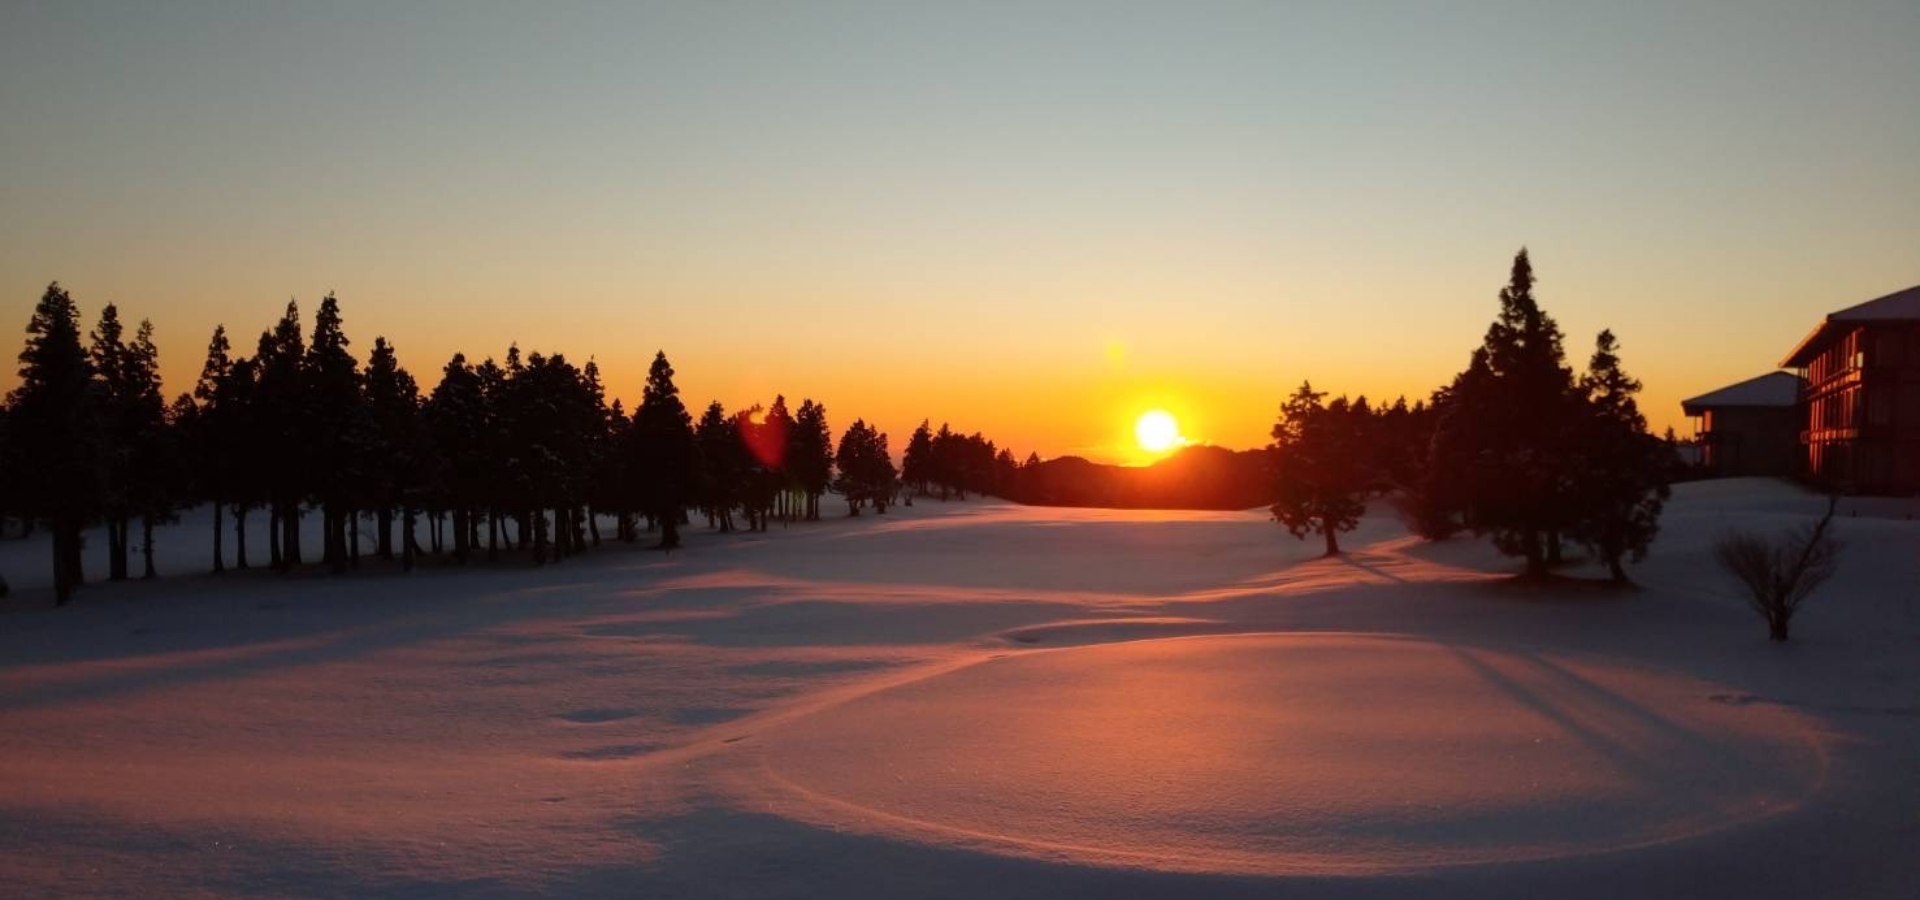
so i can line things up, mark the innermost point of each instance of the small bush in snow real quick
(1781, 571)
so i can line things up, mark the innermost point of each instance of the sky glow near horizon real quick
(1036, 222)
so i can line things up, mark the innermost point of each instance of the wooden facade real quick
(1862, 400)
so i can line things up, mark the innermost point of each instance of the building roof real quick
(1899, 306)
(1771, 389)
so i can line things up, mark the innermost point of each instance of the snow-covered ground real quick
(973, 699)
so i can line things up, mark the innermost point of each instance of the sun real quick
(1157, 432)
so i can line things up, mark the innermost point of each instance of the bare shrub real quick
(1781, 571)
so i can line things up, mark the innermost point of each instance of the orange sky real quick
(1036, 223)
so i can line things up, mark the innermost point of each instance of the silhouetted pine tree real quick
(1622, 469)
(156, 459)
(615, 485)
(457, 422)
(597, 425)
(663, 433)
(396, 449)
(132, 412)
(945, 462)
(1318, 467)
(761, 481)
(722, 468)
(332, 451)
(916, 465)
(55, 434)
(281, 399)
(244, 442)
(810, 455)
(1503, 440)
(776, 433)
(866, 468)
(210, 438)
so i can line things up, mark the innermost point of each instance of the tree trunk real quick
(146, 548)
(117, 548)
(65, 533)
(669, 532)
(290, 555)
(273, 536)
(239, 536)
(386, 533)
(1333, 540)
(406, 538)
(1536, 561)
(1553, 548)
(593, 525)
(219, 537)
(1619, 571)
(1777, 624)
(353, 538)
(460, 534)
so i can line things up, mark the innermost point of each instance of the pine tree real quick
(209, 440)
(1319, 477)
(663, 433)
(810, 455)
(457, 423)
(242, 441)
(916, 464)
(721, 465)
(866, 468)
(395, 448)
(282, 400)
(113, 392)
(1501, 451)
(334, 427)
(1622, 468)
(54, 433)
(776, 441)
(156, 459)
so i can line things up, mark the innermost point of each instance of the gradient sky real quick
(1036, 220)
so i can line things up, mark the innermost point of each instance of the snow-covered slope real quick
(973, 699)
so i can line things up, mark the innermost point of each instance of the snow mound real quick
(1293, 754)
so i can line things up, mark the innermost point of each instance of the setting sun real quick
(1157, 431)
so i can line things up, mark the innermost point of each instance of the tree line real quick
(524, 454)
(1517, 447)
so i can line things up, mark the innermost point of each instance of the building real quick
(1862, 400)
(1750, 428)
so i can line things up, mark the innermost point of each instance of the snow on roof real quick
(1771, 389)
(1898, 306)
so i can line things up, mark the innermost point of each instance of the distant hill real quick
(1192, 478)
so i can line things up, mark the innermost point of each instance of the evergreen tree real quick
(1319, 475)
(663, 433)
(334, 427)
(113, 394)
(866, 468)
(54, 433)
(156, 459)
(776, 445)
(917, 463)
(810, 455)
(281, 398)
(396, 448)
(210, 437)
(1622, 468)
(244, 443)
(1504, 440)
(457, 423)
(722, 465)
